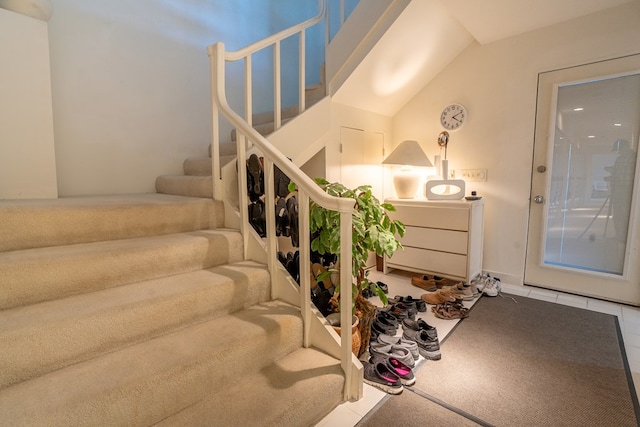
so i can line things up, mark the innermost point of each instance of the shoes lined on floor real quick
(380, 376)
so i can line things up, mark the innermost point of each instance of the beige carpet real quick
(530, 363)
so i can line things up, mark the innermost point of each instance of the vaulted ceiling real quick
(431, 33)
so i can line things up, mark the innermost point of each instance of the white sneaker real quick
(480, 281)
(492, 287)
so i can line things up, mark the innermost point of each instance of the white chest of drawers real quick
(443, 237)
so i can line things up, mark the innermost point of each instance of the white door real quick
(584, 233)
(362, 155)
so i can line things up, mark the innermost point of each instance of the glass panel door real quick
(583, 236)
(592, 174)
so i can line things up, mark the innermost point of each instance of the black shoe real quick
(383, 286)
(282, 218)
(257, 218)
(254, 170)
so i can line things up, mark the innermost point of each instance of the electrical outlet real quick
(474, 175)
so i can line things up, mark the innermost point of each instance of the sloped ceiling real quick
(491, 20)
(431, 33)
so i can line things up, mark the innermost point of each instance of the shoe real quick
(382, 327)
(450, 311)
(404, 372)
(394, 341)
(438, 297)
(492, 287)
(400, 311)
(378, 349)
(383, 286)
(464, 292)
(387, 318)
(254, 167)
(379, 376)
(282, 218)
(426, 284)
(427, 347)
(418, 325)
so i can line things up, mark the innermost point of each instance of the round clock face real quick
(453, 116)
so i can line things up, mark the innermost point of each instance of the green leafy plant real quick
(373, 231)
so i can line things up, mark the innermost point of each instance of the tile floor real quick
(350, 413)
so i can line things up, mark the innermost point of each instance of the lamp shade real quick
(408, 153)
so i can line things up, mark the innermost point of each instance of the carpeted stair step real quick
(201, 166)
(33, 275)
(185, 185)
(297, 390)
(228, 150)
(148, 382)
(44, 337)
(64, 221)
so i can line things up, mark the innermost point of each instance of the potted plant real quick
(373, 231)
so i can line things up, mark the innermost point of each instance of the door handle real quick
(538, 199)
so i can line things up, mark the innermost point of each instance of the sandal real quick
(450, 311)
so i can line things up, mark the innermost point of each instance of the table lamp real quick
(406, 181)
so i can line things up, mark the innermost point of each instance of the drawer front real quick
(433, 217)
(436, 239)
(424, 259)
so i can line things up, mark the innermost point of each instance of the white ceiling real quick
(395, 70)
(491, 20)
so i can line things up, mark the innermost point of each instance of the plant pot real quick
(334, 321)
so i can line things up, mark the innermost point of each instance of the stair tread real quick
(40, 274)
(147, 382)
(186, 185)
(69, 220)
(79, 327)
(306, 375)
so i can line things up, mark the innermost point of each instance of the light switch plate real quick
(473, 175)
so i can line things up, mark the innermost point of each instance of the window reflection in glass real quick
(593, 164)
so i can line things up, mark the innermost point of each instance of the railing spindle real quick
(277, 83)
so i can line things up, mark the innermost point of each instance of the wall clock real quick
(453, 116)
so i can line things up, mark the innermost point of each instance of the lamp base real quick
(406, 184)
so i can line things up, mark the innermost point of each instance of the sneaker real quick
(427, 346)
(480, 281)
(418, 325)
(400, 342)
(401, 311)
(404, 372)
(492, 287)
(380, 376)
(381, 325)
(392, 350)
(463, 291)
(421, 306)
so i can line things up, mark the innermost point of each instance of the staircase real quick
(139, 310)
(197, 178)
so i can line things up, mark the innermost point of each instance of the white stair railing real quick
(307, 188)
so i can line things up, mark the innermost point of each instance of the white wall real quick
(27, 157)
(497, 83)
(130, 81)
